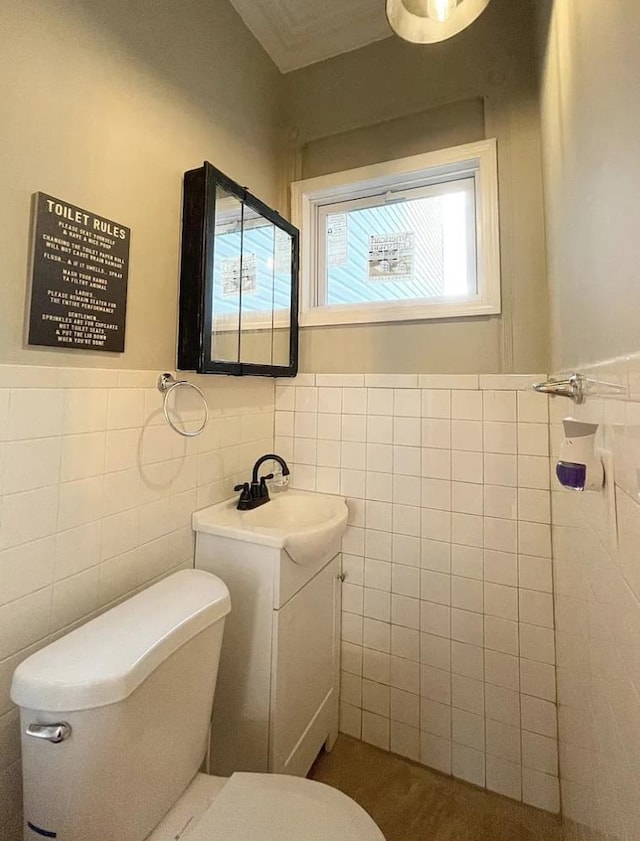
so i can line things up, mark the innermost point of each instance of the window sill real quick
(327, 316)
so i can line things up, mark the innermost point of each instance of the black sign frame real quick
(79, 278)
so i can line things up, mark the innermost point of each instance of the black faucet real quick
(251, 496)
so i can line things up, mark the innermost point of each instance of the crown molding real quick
(296, 33)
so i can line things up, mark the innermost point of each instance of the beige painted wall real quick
(590, 127)
(436, 128)
(105, 105)
(388, 99)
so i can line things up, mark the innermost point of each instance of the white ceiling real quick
(296, 33)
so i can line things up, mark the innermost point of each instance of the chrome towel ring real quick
(166, 384)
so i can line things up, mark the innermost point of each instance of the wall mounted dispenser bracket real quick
(574, 388)
(580, 466)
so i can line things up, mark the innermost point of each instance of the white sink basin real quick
(303, 523)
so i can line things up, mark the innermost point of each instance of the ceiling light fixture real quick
(430, 21)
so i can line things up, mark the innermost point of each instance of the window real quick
(411, 239)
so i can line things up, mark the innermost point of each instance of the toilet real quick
(115, 721)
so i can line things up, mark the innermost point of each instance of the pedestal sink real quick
(277, 694)
(303, 523)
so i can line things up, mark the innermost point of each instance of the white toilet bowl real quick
(115, 719)
(264, 807)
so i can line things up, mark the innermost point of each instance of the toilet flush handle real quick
(50, 732)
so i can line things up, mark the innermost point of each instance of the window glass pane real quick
(415, 244)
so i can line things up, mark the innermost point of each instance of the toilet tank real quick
(135, 687)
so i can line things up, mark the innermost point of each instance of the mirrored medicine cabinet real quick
(238, 281)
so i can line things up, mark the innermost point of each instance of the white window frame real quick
(310, 197)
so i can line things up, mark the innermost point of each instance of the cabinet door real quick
(304, 691)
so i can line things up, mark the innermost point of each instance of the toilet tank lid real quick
(104, 660)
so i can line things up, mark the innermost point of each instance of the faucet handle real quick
(264, 491)
(245, 500)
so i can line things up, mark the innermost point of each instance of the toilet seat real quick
(274, 807)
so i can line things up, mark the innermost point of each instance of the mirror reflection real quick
(227, 270)
(252, 277)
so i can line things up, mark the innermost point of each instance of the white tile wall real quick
(597, 608)
(447, 639)
(96, 497)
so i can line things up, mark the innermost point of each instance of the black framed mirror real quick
(238, 281)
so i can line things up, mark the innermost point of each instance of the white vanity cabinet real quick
(276, 701)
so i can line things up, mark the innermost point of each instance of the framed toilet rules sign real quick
(79, 275)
